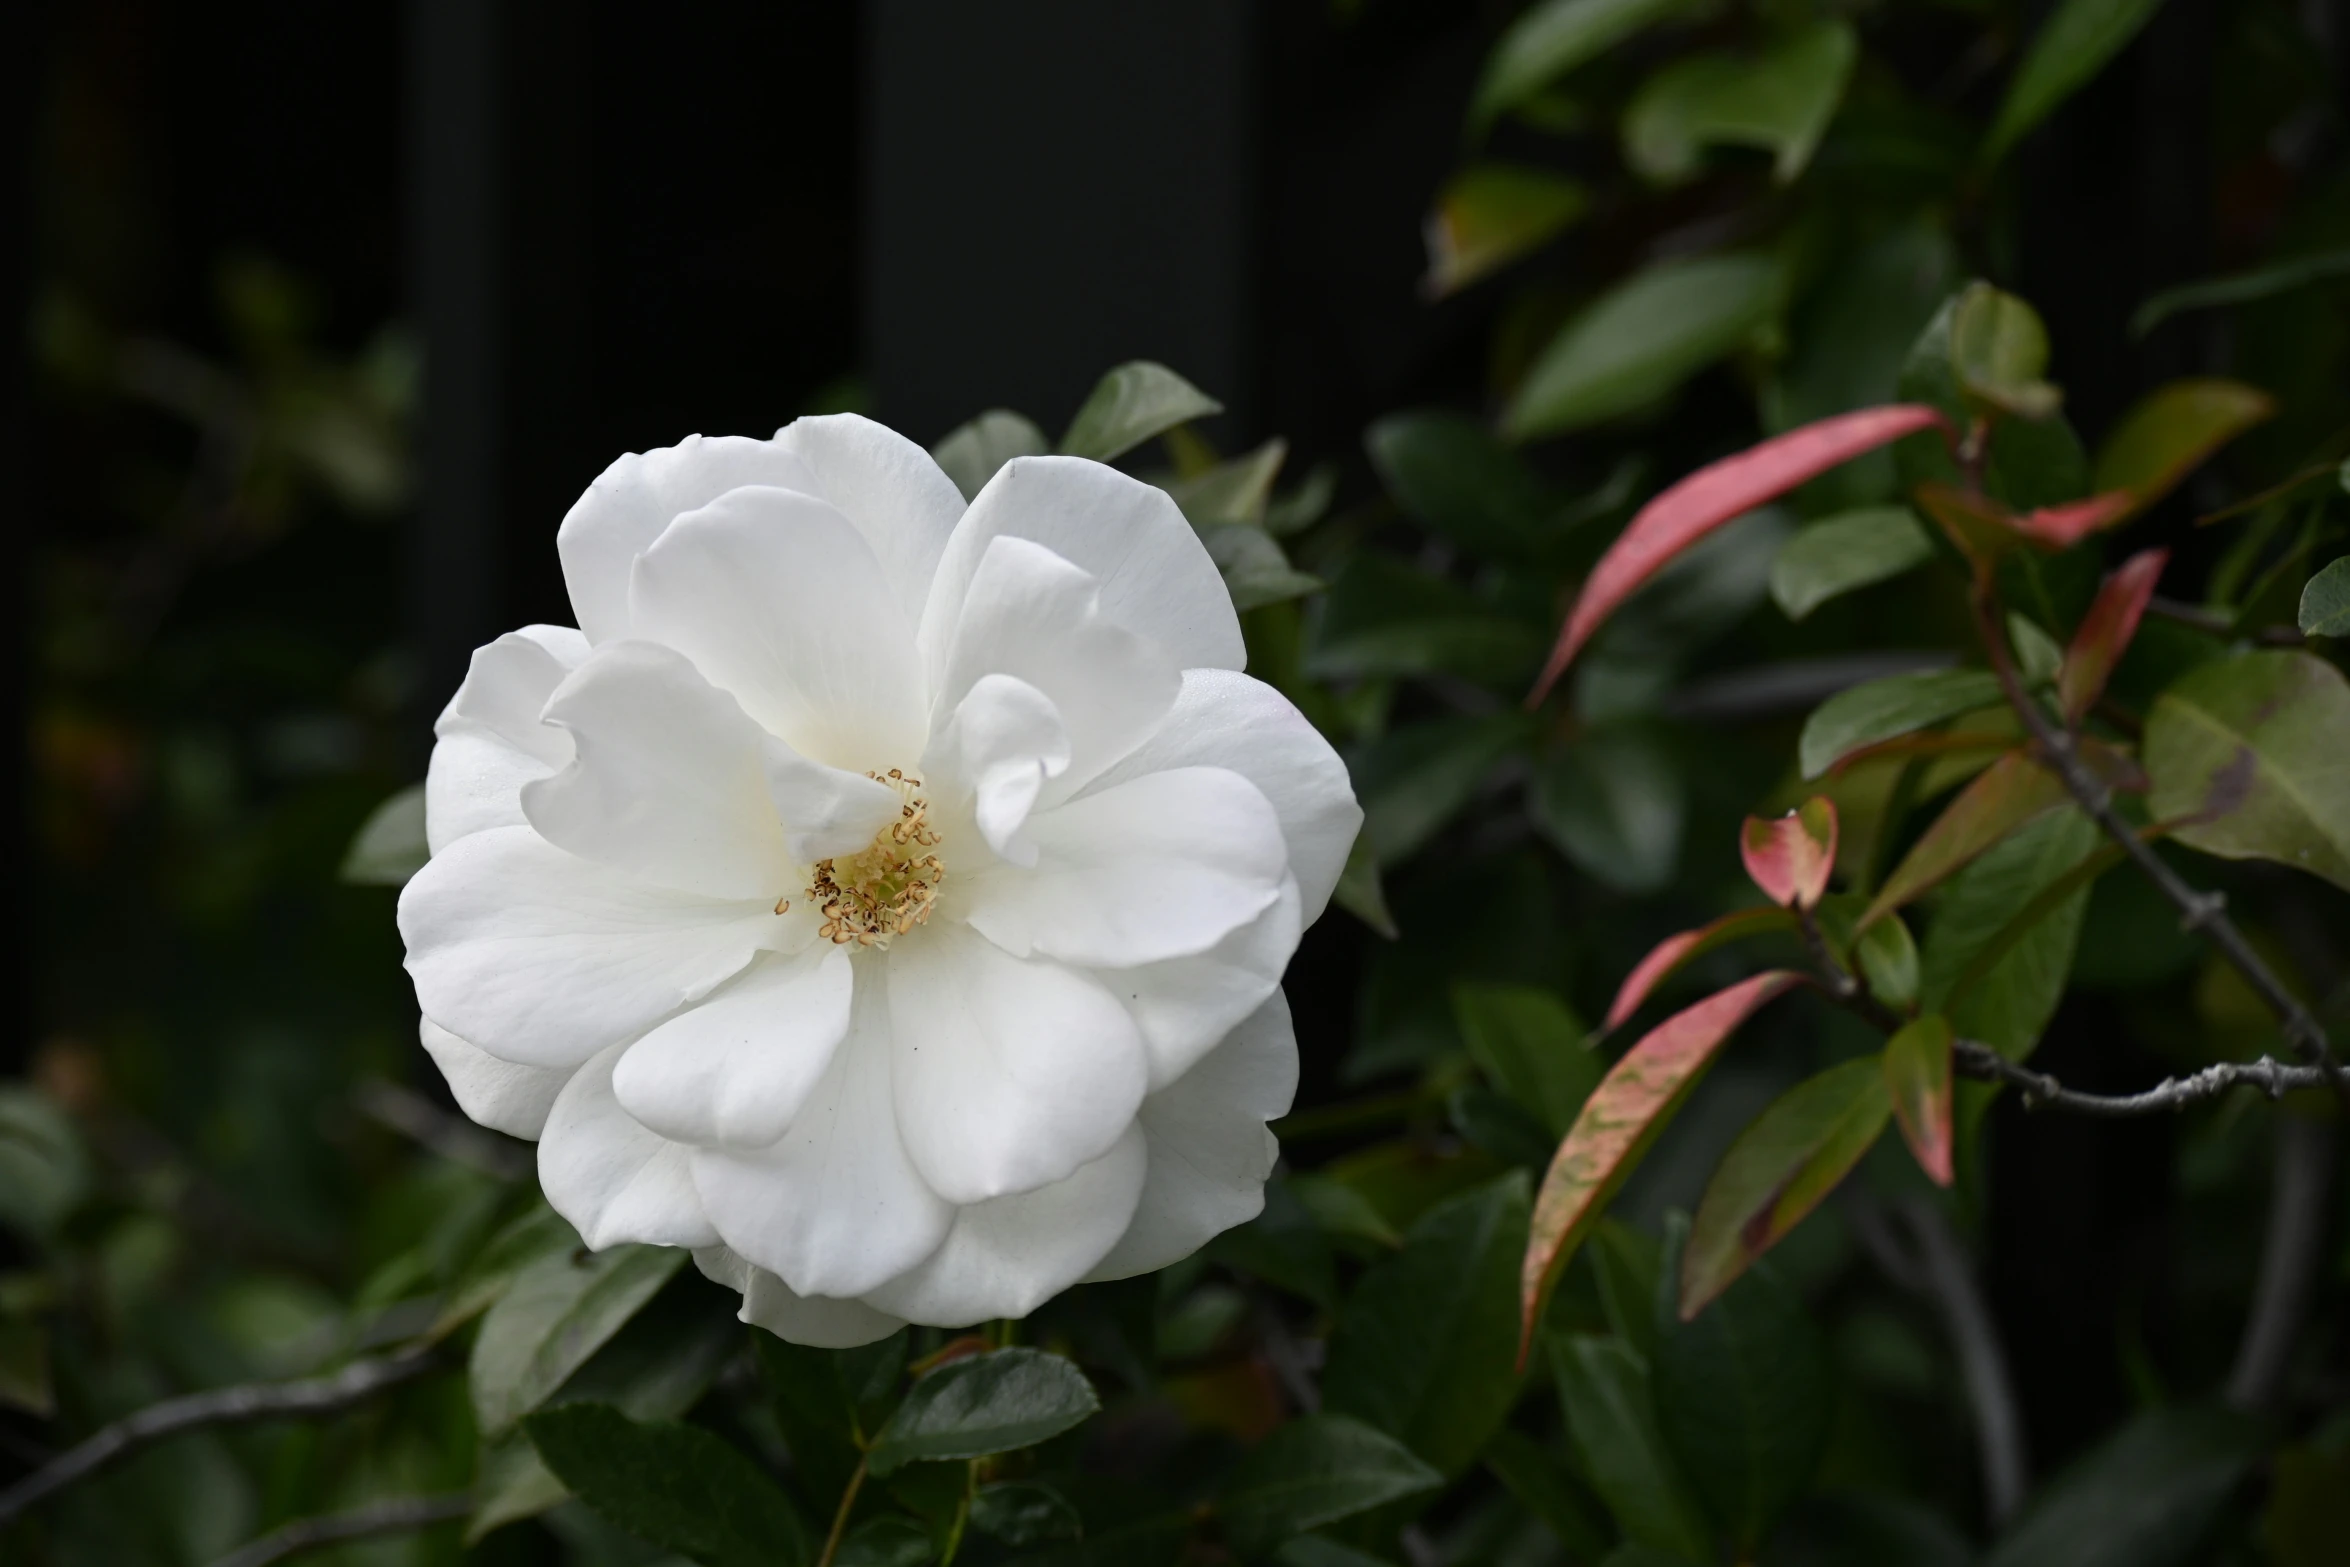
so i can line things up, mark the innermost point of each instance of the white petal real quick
(670, 784)
(836, 1206)
(776, 597)
(735, 1068)
(499, 1094)
(1003, 741)
(1210, 1150)
(1185, 1006)
(1007, 1257)
(1162, 866)
(612, 1179)
(624, 511)
(492, 739)
(1009, 1073)
(1036, 617)
(1223, 719)
(900, 499)
(544, 958)
(825, 810)
(815, 1320)
(1156, 578)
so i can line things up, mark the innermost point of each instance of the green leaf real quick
(1448, 471)
(1490, 214)
(1256, 570)
(1554, 37)
(1415, 780)
(2241, 288)
(1642, 339)
(2070, 48)
(1916, 1064)
(1532, 1048)
(1237, 490)
(676, 1486)
(2030, 462)
(1131, 404)
(891, 1540)
(1777, 1170)
(1780, 100)
(2037, 655)
(1361, 892)
(44, 1172)
(1743, 1395)
(1888, 958)
(2147, 1497)
(2171, 430)
(1614, 802)
(389, 846)
(1885, 709)
(983, 1405)
(1999, 351)
(817, 1414)
(1545, 1486)
(537, 1233)
(971, 453)
(2325, 602)
(1604, 1387)
(558, 1311)
(1425, 1348)
(1311, 1472)
(2254, 748)
(1997, 802)
(1024, 1512)
(1383, 617)
(511, 1482)
(2010, 1005)
(1853, 549)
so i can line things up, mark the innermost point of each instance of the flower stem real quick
(840, 1515)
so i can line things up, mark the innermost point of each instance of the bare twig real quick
(323, 1395)
(1971, 1058)
(398, 1516)
(2288, 1261)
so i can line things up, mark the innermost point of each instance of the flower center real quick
(888, 887)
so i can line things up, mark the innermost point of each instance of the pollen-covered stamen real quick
(888, 887)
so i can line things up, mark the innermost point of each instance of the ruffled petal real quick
(777, 598)
(612, 1179)
(1010, 1073)
(815, 1320)
(1034, 616)
(629, 504)
(900, 500)
(735, 1069)
(1210, 1149)
(540, 957)
(497, 1094)
(492, 739)
(670, 783)
(836, 1206)
(1185, 1006)
(1156, 578)
(1162, 866)
(1002, 742)
(1224, 719)
(1008, 1256)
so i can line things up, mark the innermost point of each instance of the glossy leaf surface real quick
(681, 1487)
(2003, 798)
(1625, 1113)
(1715, 495)
(1604, 1387)
(1779, 1168)
(1790, 857)
(1865, 715)
(2104, 633)
(983, 1405)
(1840, 554)
(2010, 1004)
(559, 1311)
(2325, 602)
(1669, 956)
(1131, 404)
(1314, 1471)
(1916, 1065)
(2254, 749)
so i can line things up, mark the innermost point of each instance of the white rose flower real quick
(884, 897)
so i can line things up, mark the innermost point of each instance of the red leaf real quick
(1712, 496)
(1917, 1075)
(2005, 796)
(2061, 527)
(1618, 1123)
(1790, 857)
(2104, 633)
(1674, 953)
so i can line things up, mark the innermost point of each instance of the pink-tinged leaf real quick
(1618, 1124)
(1714, 495)
(2104, 633)
(1777, 1171)
(2172, 430)
(2005, 797)
(1982, 529)
(1791, 856)
(2062, 527)
(1917, 1077)
(1675, 953)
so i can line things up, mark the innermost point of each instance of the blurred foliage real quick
(1697, 223)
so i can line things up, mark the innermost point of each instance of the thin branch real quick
(1971, 1058)
(2289, 1261)
(2199, 911)
(401, 1515)
(840, 1515)
(324, 1395)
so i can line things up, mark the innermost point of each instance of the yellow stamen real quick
(881, 891)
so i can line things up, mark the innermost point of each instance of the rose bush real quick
(883, 897)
